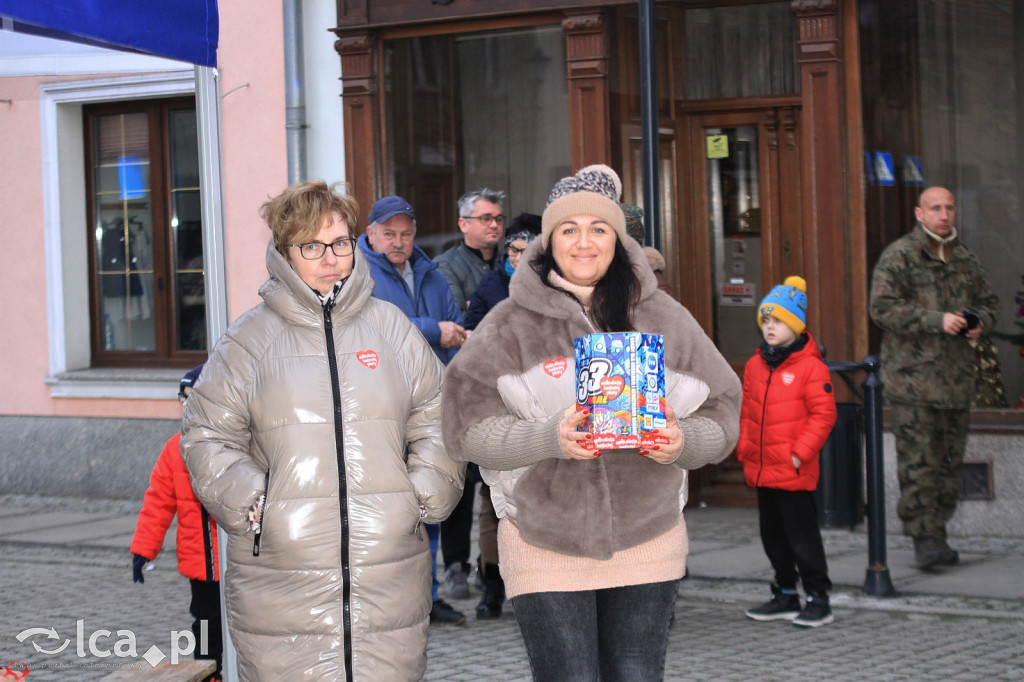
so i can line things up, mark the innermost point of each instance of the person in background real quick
(314, 439)
(482, 224)
(592, 543)
(788, 413)
(169, 494)
(657, 263)
(405, 276)
(493, 289)
(635, 228)
(932, 299)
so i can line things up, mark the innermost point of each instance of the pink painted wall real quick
(254, 167)
(23, 341)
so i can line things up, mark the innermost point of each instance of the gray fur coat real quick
(507, 388)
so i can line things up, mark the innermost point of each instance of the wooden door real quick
(740, 199)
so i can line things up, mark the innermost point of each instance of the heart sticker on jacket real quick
(612, 386)
(368, 358)
(555, 368)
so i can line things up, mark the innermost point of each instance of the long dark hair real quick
(615, 294)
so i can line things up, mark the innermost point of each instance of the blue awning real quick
(186, 30)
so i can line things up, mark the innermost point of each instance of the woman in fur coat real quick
(592, 544)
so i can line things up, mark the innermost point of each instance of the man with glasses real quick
(483, 226)
(404, 275)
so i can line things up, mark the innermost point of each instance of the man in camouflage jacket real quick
(920, 288)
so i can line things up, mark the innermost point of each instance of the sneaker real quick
(455, 582)
(442, 613)
(816, 611)
(780, 607)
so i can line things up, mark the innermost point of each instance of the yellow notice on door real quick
(718, 146)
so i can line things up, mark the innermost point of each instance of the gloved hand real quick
(138, 561)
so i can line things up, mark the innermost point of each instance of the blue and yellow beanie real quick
(788, 302)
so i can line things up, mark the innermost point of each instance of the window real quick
(475, 110)
(146, 290)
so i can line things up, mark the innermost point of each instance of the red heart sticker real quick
(368, 358)
(555, 368)
(612, 386)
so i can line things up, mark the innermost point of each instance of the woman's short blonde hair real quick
(297, 214)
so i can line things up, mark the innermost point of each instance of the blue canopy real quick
(186, 30)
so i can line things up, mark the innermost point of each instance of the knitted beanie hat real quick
(788, 302)
(634, 222)
(594, 190)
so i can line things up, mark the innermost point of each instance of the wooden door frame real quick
(777, 120)
(779, 163)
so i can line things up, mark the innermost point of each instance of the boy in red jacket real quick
(170, 493)
(787, 415)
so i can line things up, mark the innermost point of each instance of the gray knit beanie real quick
(594, 190)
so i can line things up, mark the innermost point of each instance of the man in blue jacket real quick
(405, 276)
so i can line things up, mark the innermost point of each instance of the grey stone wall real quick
(1002, 516)
(80, 456)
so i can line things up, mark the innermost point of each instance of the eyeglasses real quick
(487, 219)
(314, 250)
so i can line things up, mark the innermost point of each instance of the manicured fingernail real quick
(589, 436)
(644, 452)
(656, 447)
(597, 453)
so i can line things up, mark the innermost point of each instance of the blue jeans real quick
(433, 534)
(613, 635)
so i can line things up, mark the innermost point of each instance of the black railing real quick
(877, 582)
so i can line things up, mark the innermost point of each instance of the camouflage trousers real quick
(930, 446)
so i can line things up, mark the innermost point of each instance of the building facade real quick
(793, 138)
(104, 270)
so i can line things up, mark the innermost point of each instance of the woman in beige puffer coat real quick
(327, 402)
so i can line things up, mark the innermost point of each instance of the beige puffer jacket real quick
(340, 589)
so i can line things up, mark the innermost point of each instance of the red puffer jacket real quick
(170, 493)
(786, 411)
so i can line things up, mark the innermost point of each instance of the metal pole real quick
(214, 275)
(877, 581)
(294, 91)
(649, 113)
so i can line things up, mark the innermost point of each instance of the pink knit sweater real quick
(527, 569)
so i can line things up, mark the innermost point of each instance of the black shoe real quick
(948, 556)
(442, 613)
(930, 551)
(780, 607)
(816, 611)
(493, 596)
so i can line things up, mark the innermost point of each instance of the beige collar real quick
(937, 245)
(583, 293)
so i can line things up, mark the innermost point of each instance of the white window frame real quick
(65, 234)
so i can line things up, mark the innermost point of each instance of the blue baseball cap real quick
(189, 380)
(386, 208)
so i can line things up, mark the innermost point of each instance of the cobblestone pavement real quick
(915, 636)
